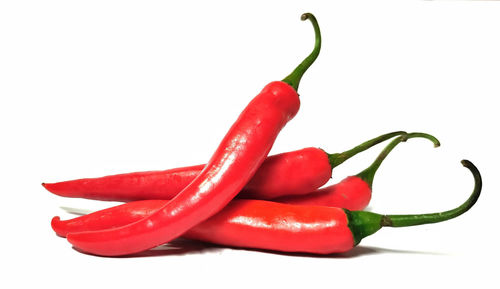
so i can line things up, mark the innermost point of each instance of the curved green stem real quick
(414, 220)
(294, 78)
(368, 174)
(338, 158)
(363, 223)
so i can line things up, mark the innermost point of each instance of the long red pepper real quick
(235, 161)
(294, 228)
(353, 193)
(290, 173)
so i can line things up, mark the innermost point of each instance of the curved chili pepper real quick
(290, 173)
(235, 161)
(311, 229)
(353, 192)
(283, 227)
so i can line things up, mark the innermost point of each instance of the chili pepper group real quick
(242, 197)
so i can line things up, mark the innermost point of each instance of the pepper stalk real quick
(363, 224)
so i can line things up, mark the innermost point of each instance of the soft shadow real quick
(359, 251)
(362, 250)
(178, 246)
(182, 246)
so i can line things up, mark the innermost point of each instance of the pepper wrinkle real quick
(385, 221)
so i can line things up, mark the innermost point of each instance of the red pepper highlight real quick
(291, 173)
(235, 161)
(274, 226)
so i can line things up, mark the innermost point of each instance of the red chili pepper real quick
(274, 226)
(353, 192)
(235, 161)
(290, 173)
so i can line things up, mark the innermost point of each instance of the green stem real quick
(339, 158)
(368, 174)
(414, 220)
(363, 223)
(294, 78)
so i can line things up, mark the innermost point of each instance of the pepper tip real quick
(54, 223)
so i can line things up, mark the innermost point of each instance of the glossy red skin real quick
(290, 173)
(243, 223)
(235, 161)
(351, 193)
(112, 217)
(128, 187)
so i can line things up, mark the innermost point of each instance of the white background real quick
(92, 88)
